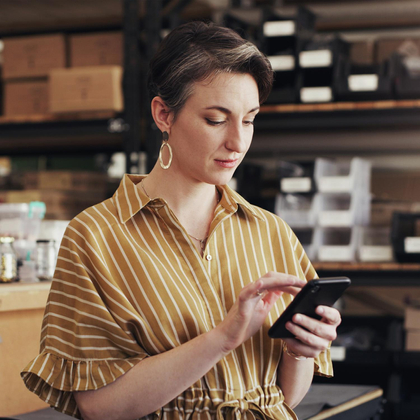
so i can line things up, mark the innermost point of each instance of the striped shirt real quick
(130, 284)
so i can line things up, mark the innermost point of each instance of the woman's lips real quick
(231, 163)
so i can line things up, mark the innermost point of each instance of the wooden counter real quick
(21, 312)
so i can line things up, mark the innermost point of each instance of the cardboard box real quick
(22, 309)
(396, 186)
(33, 56)
(26, 97)
(362, 52)
(412, 340)
(381, 211)
(412, 318)
(66, 181)
(96, 88)
(96, 49)
(406, 46)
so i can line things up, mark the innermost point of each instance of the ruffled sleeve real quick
(91, 332)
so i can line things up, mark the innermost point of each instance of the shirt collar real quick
(130, 199)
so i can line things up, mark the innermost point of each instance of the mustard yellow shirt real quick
(130, 284)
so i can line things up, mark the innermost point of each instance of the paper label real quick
(317, 58)
(297, 184)
(335, 253)
(375, 253)
(363, 82)
(412, 244)
(335, 184)
(282, 62)
(316, 94)
(338, 353)
(335, 218)
(279, 28)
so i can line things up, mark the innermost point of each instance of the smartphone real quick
(325, 291)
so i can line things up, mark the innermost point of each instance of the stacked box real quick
(412, 328)
(27, 63)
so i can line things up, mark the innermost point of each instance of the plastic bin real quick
(296, 209)
(342, 175)
(343, 209)
(295, 178)
(337, 244)
(21, 220)
(375, 244)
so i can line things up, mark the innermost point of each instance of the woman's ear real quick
(161, 114)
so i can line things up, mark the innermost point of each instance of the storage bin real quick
(337, 244)
(343, 209)
(297, 210)
(405, 237)
(333, 176)
(375, 244)
(21, 220)
(295, 178)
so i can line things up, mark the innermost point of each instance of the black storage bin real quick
(405, 235)
(281, 38)
(319, 61)
(358, 82)
(407, 78)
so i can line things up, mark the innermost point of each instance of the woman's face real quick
(213, 131)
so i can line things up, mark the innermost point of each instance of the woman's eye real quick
(249, 122)
(213, 122)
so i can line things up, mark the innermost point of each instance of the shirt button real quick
(209, 257)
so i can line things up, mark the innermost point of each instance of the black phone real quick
(325, 291)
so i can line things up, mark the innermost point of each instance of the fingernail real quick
(298, 318)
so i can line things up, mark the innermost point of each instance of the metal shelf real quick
(341, 115)
(388, 274)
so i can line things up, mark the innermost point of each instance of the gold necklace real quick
(202, 241)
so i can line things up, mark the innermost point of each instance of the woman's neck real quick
(192, 202)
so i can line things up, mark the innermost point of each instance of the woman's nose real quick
(237, 140)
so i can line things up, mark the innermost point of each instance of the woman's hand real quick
(254, 302)
(313, 336)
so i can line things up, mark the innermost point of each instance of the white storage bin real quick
(53, 230)
(306, 238)
(375, 244)
(343, 210)
(337, 244)
(21, 220)
(297, 210)
(342, 175)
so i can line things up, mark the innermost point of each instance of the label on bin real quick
(297, 184)
(363, 82)
(282, 62)
(335, 253)
(375, 253)
(338, 353)
(279, 28)
(335, 184)
(412, 244)
(335, 218)
(316, 94)
(317, 58)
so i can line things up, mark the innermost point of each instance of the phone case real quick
(316, 292)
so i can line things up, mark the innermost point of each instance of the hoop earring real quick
(165, 139)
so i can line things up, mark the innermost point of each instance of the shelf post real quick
(131, 84)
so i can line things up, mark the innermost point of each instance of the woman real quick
(163, 294)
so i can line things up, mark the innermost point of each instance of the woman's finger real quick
(315, 327)
(330, 315)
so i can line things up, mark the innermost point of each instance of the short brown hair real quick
(197, 50)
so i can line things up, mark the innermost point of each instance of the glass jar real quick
(8, 260)
(45, 259)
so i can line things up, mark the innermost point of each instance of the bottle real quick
(45, 258)
(8, 260)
